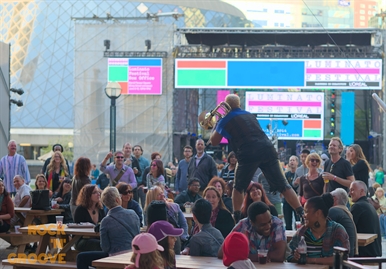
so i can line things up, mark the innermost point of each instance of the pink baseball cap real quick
(162, 229)
(146, 243)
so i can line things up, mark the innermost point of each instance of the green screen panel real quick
(117, 73)
(312, 133)
(201, 78)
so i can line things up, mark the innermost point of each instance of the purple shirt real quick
(127, 177)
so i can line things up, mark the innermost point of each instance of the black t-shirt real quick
(361, 171)
(291, 178)
(342, 169)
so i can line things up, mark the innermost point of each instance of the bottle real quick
(302, 249)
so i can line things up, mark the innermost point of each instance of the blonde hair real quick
(148, 260)
(63, 164)
(380, 189)
(151, 195)
(313, 156)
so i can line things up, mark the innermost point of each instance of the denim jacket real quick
(118, 229)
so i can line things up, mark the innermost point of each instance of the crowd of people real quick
(132, 192)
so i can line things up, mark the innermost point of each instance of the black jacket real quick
(204, 171)
(366, 220)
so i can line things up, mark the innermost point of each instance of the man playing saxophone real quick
(253, 149)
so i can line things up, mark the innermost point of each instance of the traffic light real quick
(332, 112)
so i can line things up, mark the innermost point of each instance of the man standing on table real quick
(253, 150)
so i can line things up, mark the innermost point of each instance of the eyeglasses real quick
(314, 160)
(196, 185)
(119, 157)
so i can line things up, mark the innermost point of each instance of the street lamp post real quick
(113, 91)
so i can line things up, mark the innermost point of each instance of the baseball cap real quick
(235, 248)
(162, 229)
(146, 243)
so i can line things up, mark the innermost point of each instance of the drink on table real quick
(262, 255)
(302, 249)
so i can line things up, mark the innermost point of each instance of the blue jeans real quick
(85, 259)
(382, 222)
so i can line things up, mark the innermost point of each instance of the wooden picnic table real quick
(191, 262)
(32, 213)
(363, 239)
(49, 232)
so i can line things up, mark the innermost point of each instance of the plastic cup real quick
(59, 221)
(262, 254)
(53, 202)
(188, 209)
(326, 181)
(298, 224)
(17, 227)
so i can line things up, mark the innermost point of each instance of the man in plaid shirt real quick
(263, 231)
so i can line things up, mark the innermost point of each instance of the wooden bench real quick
(18, 239)
(23, 263)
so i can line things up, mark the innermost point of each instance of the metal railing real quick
(341, 260)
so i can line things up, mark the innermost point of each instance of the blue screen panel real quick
(269, 74)
(292, 130)
(145, 62)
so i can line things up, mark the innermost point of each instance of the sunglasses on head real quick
(314, 160)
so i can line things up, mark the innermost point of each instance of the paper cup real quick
(53, 202)
(17, 227)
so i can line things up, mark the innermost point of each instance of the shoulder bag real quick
(115, 180)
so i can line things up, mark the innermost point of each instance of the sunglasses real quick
(127, 192)
(154, 165)
(119, 157)
(332, 167)
(314, 160)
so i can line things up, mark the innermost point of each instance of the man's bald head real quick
(233, 100)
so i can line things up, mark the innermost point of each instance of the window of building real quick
(362, 18)
(362, 12)
(362, 23)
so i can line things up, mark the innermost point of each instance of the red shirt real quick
(7, 207)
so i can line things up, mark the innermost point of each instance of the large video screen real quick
(360, 74)
(140, 76)
(291, 115)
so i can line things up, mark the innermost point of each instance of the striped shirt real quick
(10, 167)
(335, 235)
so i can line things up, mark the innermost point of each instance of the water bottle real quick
(302, 249)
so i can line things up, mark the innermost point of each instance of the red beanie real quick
(235, 248)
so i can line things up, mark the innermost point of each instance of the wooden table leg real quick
(43, 243)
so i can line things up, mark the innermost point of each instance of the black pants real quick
(288, 211)
(4, 227)
(264, 158)
(85, 259)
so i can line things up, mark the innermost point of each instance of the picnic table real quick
(194, 262)
(49, 232)
(32, 213)
(363, 239)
